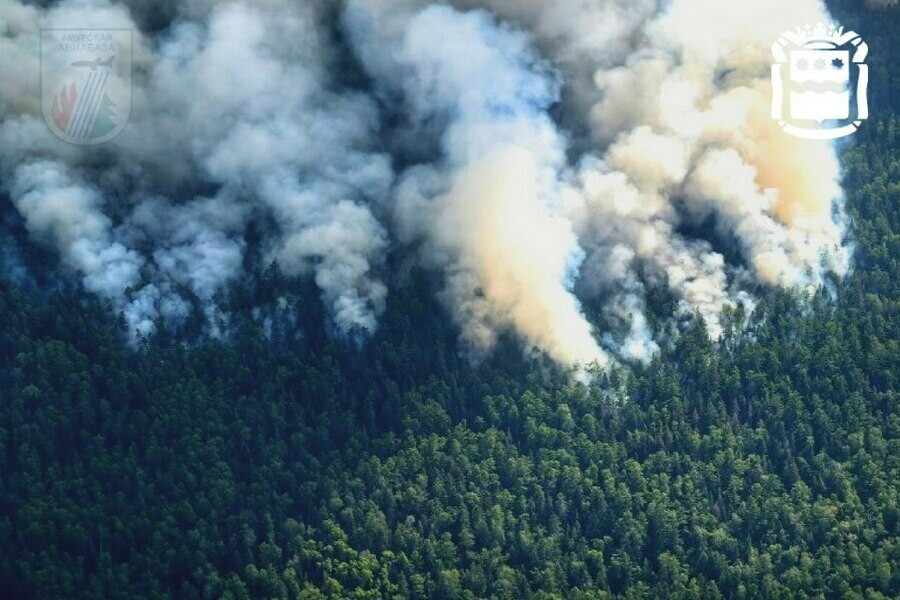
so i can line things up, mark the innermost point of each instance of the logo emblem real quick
(86, 83)
(824, 72)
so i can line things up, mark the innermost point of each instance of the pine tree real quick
(105, 121)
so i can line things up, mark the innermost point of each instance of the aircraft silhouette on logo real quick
(93, 64)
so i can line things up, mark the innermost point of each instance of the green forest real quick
(288, 464)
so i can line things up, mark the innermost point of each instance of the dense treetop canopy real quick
(282, 463)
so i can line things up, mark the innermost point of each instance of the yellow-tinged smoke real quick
(537, 154)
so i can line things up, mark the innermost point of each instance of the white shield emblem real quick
(86, 83)
(826, 78)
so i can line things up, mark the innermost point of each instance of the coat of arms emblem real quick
(819, 82)
(86, 83)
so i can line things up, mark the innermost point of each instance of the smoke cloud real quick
(488, 211)
(540, 157)
(235, 121)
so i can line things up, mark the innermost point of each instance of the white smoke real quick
(67, 212)
(241, 104)
(678, 114)
(271, 129)
(489, 210)
(693, 139)
(550, 154)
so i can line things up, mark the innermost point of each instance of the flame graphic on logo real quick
(61, 111)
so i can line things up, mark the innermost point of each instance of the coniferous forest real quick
(281, 462)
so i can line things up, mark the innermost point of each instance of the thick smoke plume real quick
(540, 156)
(236, 120)
(488, 210)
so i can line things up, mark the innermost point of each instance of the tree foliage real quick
(278, 465)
